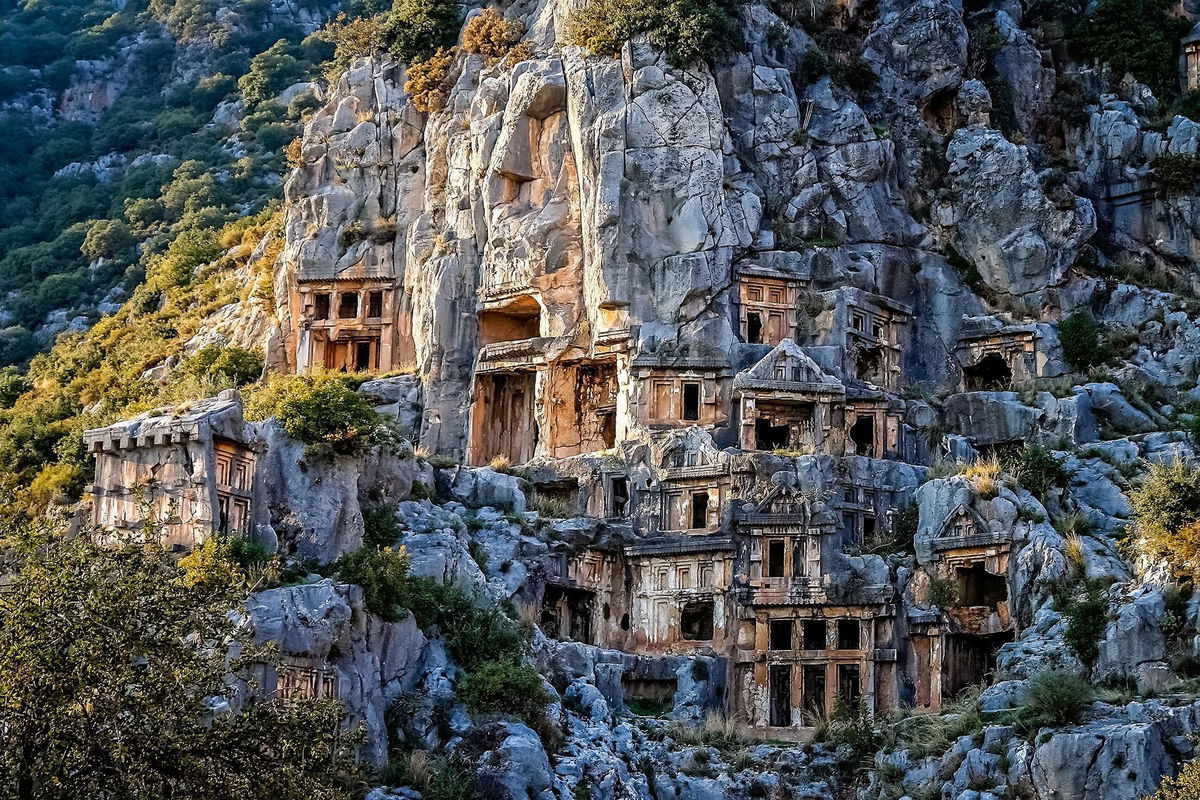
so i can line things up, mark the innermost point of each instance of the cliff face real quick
(783, 363)
(612, 203)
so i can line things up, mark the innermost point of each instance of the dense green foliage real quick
(1166, 520)
(505, 688)
(1081, 341)
(686, 30)
(380, 526)
(58, 226)
(943, 592)
(104, 675)
(1176, 173)
(475, 633)
(1137, 36)
(231, 365)
(851, 727)
(95, 377)
(383, 575)
(320, 409)
(1084, 602)
(1055, 699)
(1037, 468)
(417, 29)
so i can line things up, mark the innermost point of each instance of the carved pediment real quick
(962, 523)
(788, 367)
(688, 448)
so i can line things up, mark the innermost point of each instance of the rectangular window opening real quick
(375, 305)
(348, 305)
(691, 401)
(754, 328)
(849, 634)
(321, 306)
(696, 621)
(619, 503)
(775, 550)
(362, 356)
(700, 510)
(815, 634)
(781, 634)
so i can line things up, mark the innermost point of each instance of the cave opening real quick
(991, 374)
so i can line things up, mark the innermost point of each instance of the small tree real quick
(1166, 522)
(417, 29)
(109, 659)
(229, 365)
(351, 37)
(1136, 36)
(1081, 343)
(427, 81)
(686, 30)
(107, 238)
(271, 71)
(321, 410)
(490, 35)
(383, 575)
(506, 688)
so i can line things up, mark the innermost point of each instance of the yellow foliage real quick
(292, 152)
(492, 36)
(1186, 786)
(55, 485)
(210, 566)
(352, 37)
(427, 81)
(988, 468)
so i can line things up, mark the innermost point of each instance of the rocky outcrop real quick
(325, 626)
(315, 500)
(1000, 218)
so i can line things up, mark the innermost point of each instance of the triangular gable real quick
(692, 447)
(785, 499)
(787, 363)
(962, 522)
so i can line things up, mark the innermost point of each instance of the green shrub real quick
(451, 778)
(319, 409)
(1081, 341)
(383, 575)
(1137, 36)
(1055, 699)
(1176, 173)
(502, 687)
(686, 30)
(107, 238)
(1188, 105)
(416, 29)
(351, 37)
(1071, 100)
(186, 252)
(1085, 605)
(474, 633)
(230, 365)
(943, 592)
(380, 526)
(211, 90)
(850, 726)
(271, 71)
(905, 523)
(1037, 468)
(855, 74)
(1166, 515)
